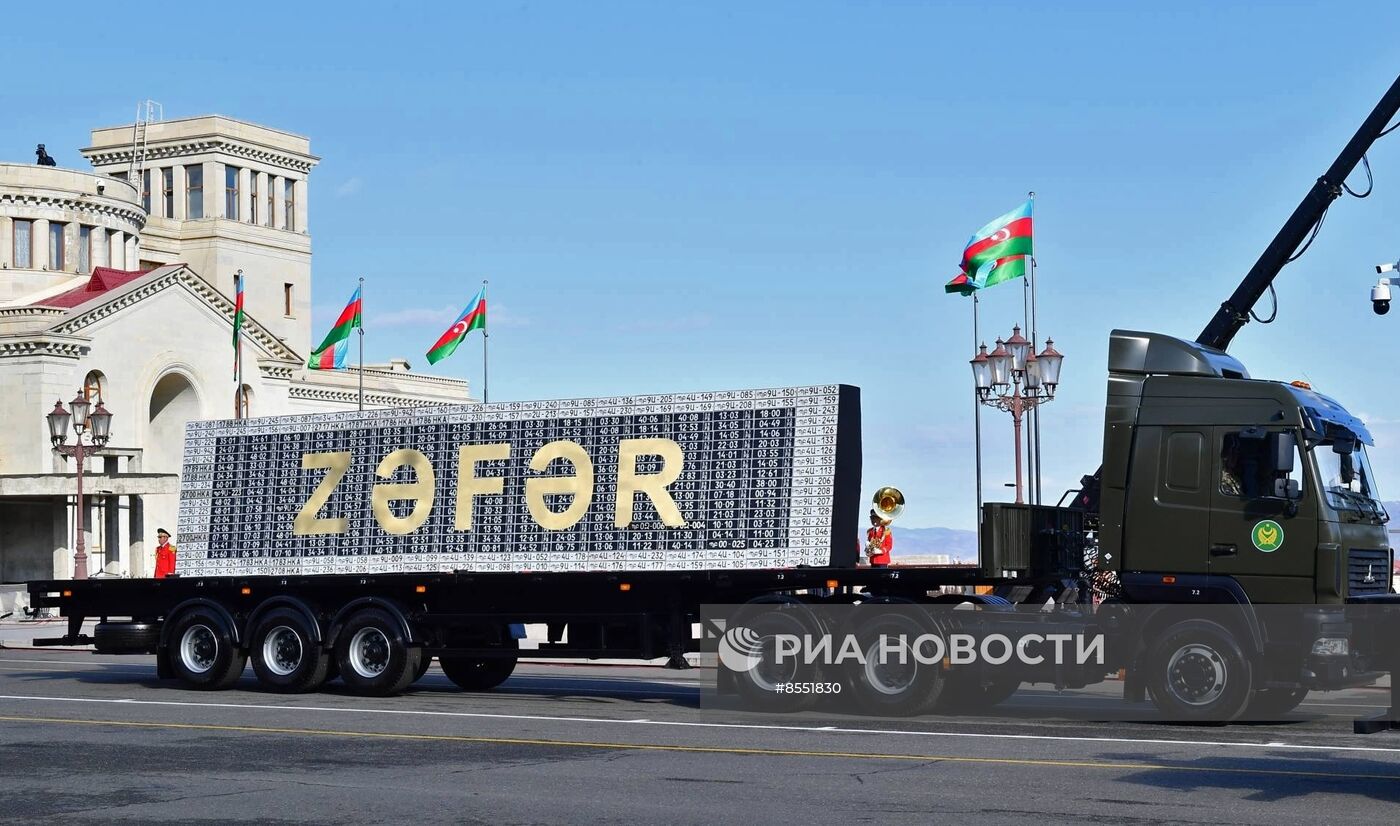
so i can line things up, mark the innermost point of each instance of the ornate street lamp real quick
(96, 424)
(1014, 379)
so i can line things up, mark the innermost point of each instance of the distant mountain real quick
(960, 545)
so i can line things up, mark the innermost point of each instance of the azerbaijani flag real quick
(331, 354)
(472, 318)
(1006, 237)
(237, 323)
(961, 284)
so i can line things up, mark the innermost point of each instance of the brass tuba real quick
(888, 503)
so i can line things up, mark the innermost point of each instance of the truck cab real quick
(1260, 486)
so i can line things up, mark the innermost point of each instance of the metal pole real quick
(977, 428)
(1035, 342)
(485, 363)
(80, 570)
(362, 344)
(238, 353)
(1030, 452)
(1016, 424)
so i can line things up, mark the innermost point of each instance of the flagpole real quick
(977, 429)
(1035, 411)
(238, 351)
(485, 363)
(362, 343)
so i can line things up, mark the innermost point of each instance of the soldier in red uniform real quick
(165, 554)
(879, 540)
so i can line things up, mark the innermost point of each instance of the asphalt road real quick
(97, 739)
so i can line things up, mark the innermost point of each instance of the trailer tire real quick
(480, 673)
(286, 656)
(1271, 704)
(891, 688)
(126, 637)
(376, 659)
(750, 663)
(1197, 673)
(202, 653)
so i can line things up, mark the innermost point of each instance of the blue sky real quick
(672, 197)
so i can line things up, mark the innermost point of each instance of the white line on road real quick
(690, 724)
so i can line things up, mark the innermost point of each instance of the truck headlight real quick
(1331, 647)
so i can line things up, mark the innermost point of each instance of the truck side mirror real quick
(1283, 447)
(1287, 489)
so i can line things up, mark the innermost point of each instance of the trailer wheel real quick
(286, 656)
(1270, 704)
(202, 653)
(134, 637)
(1196, 672)
(748, 655)
(480, 673)
(375, 658)
(891, 685)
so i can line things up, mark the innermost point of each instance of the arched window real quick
(243, 402)
(95, 386)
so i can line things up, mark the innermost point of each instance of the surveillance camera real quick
(1385, 268)
(1380, 297)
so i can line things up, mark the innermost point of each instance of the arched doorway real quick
(174, 401)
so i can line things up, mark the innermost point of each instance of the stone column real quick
(112, 533)
(39, 245)
(133, 253)
(116, 255)
(62, 542)
(7, 242)
(302, 226)
(135, 526)
(279, 220)
(213, 189)
(178, 172)
(245, 190)
(101, 248)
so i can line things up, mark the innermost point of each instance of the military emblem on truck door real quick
(1267, 536)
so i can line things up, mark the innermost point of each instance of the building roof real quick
(104, 279)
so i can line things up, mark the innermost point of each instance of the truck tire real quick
(885, 685)
(285, 654)
(1271, 704)
(126, 637)
(202, 653)
(1197, 673)
(747, 655)
(479, 673)
(375, 658)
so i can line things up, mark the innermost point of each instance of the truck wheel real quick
(748, 653)
(479, 673)
(1197, 673)
(375, 658)
(1270, 704)
(885, 684)
(286, 657)
(202, 653)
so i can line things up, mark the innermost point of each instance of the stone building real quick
(118, 283)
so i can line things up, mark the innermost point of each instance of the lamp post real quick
(1014, 379)
(96, 423)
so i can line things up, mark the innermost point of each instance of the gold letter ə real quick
(420, 490)
(307, 523)
(580, 485)
(470, 485)
(652, 484)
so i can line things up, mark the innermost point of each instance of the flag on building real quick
(331, 354)
(472, 318)
(237, 322)
(996, 252)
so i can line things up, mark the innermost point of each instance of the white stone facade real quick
(155, 345)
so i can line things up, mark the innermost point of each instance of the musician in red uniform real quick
(879, 540)
(165, 554)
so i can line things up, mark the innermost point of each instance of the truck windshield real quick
(1347, 479)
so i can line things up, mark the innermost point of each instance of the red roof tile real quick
(104, 279)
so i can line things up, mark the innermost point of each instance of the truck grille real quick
(1368, 571)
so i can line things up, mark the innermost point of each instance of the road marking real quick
(524, 741)
(695, 724)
